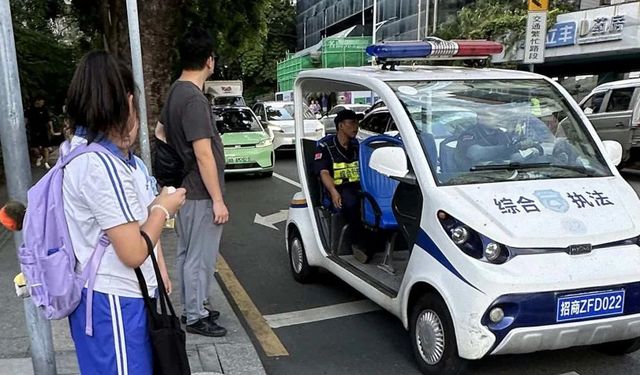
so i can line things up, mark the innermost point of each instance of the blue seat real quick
(377, 189)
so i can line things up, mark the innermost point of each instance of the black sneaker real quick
(213, 316)
(206, 327)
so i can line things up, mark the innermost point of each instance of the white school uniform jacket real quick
(100, 192)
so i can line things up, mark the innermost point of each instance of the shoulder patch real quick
(318, 156)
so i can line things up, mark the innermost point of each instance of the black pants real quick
(351, 212)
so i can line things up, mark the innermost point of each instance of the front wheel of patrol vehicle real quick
(433, 338)
(619, 347)
(300, 268)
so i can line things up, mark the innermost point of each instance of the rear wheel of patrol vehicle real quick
(301, 270)
(619, 347)
(433, 338)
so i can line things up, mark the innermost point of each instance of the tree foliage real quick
(500, 20)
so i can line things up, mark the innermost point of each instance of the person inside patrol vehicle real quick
(336, 164)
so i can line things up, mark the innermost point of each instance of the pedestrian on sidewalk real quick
(189, 129)
(40, 129)
(101, 196)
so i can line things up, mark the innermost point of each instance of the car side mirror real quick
(614, 151)
(392, 162)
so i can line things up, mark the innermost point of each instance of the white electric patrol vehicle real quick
(506, 226)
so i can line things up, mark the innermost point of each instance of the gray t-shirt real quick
(187, 117)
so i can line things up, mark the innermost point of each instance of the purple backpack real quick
(46, 255)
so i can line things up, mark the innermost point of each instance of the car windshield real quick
(232, 120)
(498, 130)
(236, 101)
(281, 112)
(358, 108)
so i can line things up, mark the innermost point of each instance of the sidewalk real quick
(229, 355)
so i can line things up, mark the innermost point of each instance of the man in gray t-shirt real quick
(190, 130)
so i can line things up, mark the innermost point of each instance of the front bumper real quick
(530, 322)
(532, 339)
(248, 159)
(282, 141)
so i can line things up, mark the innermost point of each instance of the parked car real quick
(328, 119)
(278, 117)
(247, 145)
(614, 110)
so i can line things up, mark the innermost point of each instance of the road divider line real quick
(320, 313)
(570, 373)
(287, 180)
(270, 343)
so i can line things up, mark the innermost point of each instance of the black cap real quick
(345, 114)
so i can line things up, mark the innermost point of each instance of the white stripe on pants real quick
(198, 247)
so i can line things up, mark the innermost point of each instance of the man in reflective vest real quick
(336, 163)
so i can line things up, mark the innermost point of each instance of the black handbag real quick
(167, 165)
(168, 340)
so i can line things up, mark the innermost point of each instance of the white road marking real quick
(320, 313)
(287, 180)
(269, 220)
(570, 373)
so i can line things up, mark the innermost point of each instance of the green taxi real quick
(247, 145)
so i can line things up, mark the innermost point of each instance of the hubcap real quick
(430, 337)
(296, 255)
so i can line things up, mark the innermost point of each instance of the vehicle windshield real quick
(232, 120)
(498, 130)
(358, 108)
(282, 112)
(234, 101)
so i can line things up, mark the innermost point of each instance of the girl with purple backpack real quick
(100, 197)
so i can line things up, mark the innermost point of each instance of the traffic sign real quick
(538, 5)
(536, 36)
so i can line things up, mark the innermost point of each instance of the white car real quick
(328, 120)
(278, 116)
(514, 234)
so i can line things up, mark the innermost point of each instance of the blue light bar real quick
(433, 48)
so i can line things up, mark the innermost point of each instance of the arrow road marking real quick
(269, 220)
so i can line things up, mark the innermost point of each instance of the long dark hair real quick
(98, 96)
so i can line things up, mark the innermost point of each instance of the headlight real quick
(471, 242)
(264, 143)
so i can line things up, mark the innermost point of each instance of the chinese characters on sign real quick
(601, 29)
(535, 38)
(552, 200)
(561, 34)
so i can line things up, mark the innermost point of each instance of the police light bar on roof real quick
(434, 48)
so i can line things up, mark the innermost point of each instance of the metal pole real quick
(16, 160)
(138, 76)
(426, 20)
(419, 11)
(362, 12)
(435, 16)
(375, 21)
(304, 33)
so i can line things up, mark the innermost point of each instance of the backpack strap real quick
(89, 273)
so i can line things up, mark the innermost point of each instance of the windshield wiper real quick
(589, 172)
(514, 165)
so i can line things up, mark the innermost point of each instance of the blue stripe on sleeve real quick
(113, 183)
(124, 197)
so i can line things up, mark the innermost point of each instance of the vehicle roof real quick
(417, 73)
(618, 84)
(230, 107)
(276, 102)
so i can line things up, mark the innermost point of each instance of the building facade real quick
(319, 18)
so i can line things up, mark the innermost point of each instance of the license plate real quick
(239, 160)
(590, 305)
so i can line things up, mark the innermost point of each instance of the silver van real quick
(614, 110)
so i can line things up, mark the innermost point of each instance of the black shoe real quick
(206, 327)
(213, 316)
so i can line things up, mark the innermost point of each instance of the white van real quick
(508, 231)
